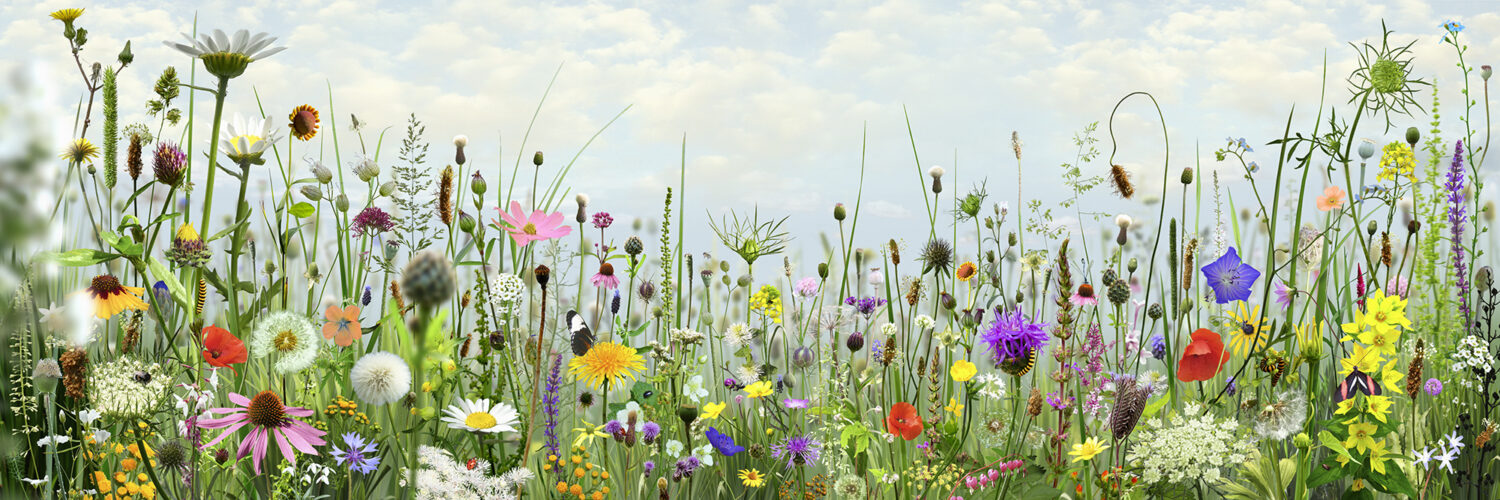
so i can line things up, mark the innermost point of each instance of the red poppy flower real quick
(904, 421)
(221, 348)
(1203, 357)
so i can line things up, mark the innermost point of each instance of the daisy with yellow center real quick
(606, 364)
(480, 416)
(752, 478)
(1087, 450)
(79, 151)
(110, 297)
(248, 139)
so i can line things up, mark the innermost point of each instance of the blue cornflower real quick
(1230, 278)
(721, 442)
(359, 456)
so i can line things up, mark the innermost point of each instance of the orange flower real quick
(1333, 197)
(342, 325)
(221, 348)
(904, 421)
(1203, 357)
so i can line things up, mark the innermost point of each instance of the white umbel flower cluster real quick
(128, 388)
(1191, 448)
(506, 292)
(441, 478)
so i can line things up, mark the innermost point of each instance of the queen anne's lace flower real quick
(441, 478)
(128, 388)
(1189, 448)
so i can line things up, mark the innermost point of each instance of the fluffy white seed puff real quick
(460, 140)
(1123, 221)
(936, 172)
(582, 199)
(380, 378)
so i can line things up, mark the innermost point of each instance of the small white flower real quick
(37, 482)
(88, 416)
(705, 454)
(624, 415)
(674, 448)
(101, 435)
(694, 389)
(53, 439)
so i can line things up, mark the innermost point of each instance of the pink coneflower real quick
(539, 226)
(1084, 296)
(268, 418)
(606, 277)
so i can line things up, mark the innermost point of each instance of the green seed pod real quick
(839, 212)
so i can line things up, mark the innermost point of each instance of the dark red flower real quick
(904, 421)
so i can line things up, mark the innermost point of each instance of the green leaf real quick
(224, 232)
(301, 210)
(124, 244)
(162, 274)
(1157, 405)
(78, 258)
(1333, 444)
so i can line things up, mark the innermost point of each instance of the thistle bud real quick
(1187, 176)
(823, 270)
(839, 212)
(936, 173)
(536, 159)
(477, 184)
(633, 246)
(855, 342)
(1132, 265)
(802, 357)
(459, 142)
(1485, 72)
(947, 301)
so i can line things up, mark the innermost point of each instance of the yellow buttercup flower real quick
(759, 389)
(1087, 449)
(712, 410)
(607, 364)
(1377, 456)
(1380, 406)
(954, 407)
(962, 370)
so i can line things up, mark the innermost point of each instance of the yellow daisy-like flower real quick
(1387, 311)
(759, 389)
(1087, 449)
(587, 433)
(1361, 436)
(1245, 326)
(962, 370)
(752, 478)
(1381, 339)
(606, 364)
(966, 271)
(67, 16)
(712, 410)
(1344, 406)
(79, 151)
(110, 297)
(1392, 378)
(1365, 359)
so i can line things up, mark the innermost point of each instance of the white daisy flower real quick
(248, 138)
(226, 56)
(479, 416)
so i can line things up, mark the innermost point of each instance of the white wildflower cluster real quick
(1189, 448)
(686, 336)
(441, 478)
(306, 473)
(506, 292)
(1472, 352)
(991, 386)
(738, 335)
(924, 322)
(128, 388)
(889, 329)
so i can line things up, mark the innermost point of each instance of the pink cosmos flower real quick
(539, 226)
(267, 418)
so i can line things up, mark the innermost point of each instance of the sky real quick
(775, 101)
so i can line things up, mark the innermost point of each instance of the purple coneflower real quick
(267, 417)
(798, 450)
(1084, 296)
(605, 278)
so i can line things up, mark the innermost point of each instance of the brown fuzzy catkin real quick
(133, 164)
(445, 196)
(1034, 402)
(1385, 248)
(396, 294)
(1121, 180)
(1130, 402)
(1484, 436)
(468, 341)
(895, 253)
(1414, 372)
(132, 332)
(75, 365)
(1187, 263)
(914, 293)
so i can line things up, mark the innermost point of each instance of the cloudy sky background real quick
(773, 97)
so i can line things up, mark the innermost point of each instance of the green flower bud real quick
(839, 212)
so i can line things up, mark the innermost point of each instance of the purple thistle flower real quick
(602, 220)
(647, 467)
(1230, 278)
(798, 450)
(1458, 217)
(1433, 386)
(1012, 336)
(358, 456)
(866, 305)
(371, 219)
(615, 428)
(650, 431)
(550, 407)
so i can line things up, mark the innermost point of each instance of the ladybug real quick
(473, 463)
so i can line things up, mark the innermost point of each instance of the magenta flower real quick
(267, 418)
(605, 278)
(539, 226)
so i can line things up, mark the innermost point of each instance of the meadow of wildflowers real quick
(399, 320)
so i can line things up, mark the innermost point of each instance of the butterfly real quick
(1357, 382)
(583, 338)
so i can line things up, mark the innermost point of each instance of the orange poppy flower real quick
(1203, 357)
(221, 348)
(1333, 197)
(904, 421)
(343, 325)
